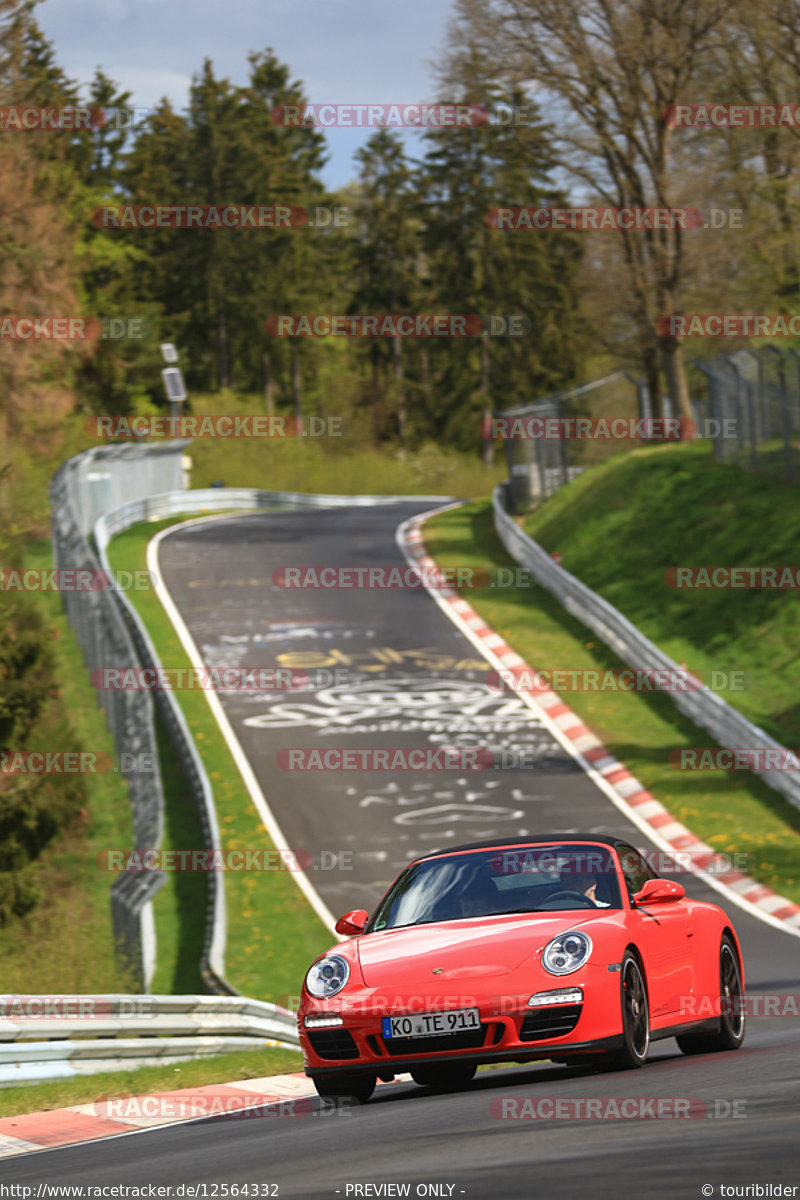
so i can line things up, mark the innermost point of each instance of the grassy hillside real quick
(735, 812)
(620, 526)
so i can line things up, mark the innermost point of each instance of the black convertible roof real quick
(536, 839)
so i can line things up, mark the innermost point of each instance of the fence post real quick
(786, 428)
(715, 409)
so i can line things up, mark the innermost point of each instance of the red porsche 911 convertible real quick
(567, 948)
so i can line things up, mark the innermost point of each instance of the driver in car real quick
(479, 898)
(585, 885)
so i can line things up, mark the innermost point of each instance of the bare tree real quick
(758, 63)
(605, 73)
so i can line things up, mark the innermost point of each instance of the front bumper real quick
(398, 1066)
(509, 1031)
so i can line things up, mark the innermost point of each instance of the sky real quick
(344, 51)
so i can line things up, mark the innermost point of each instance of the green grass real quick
(734, 812)
(180, 906)
(141, 1081)
(336, 465)
(72, 932)
(273, 934)
(73, 929)
(619, 528)
(66, 943)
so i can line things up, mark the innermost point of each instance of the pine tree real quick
(386, 264)
(475, 268)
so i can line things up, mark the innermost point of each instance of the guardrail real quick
(85, 494)
(704, 707)
(212, 966)
(78, 491)
(189, 503)
(117, 1031)
(207, 500)
(34, 1062)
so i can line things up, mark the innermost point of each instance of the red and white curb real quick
(270, 1096)
(611, 776)
(118, 1117)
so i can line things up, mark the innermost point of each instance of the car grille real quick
(550, 1022)
(468, 1040)
(332, 1043)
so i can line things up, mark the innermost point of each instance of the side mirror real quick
(352, 922)
(660, 891)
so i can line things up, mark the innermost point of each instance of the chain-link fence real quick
(82, 489)
(539, 465)
(95, 496)
(753, 408)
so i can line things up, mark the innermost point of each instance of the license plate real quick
(429, 1024)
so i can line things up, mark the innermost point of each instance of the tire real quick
(732, 1017)
(354, 1087)
(635, 1018)
(445, 1077)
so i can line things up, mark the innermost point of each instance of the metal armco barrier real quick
(213, 955)
(211, 500)
(703, 707)
(117, 1031)
(85, 497)
(189, 503)
(78, 491)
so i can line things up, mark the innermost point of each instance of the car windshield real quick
(479, 883)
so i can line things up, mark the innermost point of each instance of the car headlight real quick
(328, 976)
(566, 953)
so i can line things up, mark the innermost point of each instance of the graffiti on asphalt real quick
(380, 658)
(402, 705)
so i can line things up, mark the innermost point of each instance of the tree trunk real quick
(397, 355)
(488, 440)
(296, 395)
(269, 385)
(675, 374)
(222, 346)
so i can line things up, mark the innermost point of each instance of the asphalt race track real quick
(409, 678)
